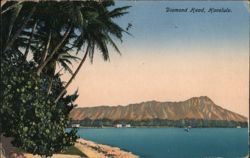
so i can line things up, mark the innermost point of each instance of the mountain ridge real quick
(194, 108)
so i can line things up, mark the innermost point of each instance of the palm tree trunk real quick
(50, 85)
(10, 7)
(52, 75)
(28, 46)
(10, 43)
(73, 76)
(13, 19)
(44, 55)
(43, 64)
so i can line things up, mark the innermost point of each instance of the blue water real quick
(173, 142)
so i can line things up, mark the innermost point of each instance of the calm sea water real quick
(173, 142)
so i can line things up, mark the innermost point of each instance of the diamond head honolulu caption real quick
(198, 10)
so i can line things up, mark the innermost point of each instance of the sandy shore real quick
(25, 155)
(94, 150)
(89, 148)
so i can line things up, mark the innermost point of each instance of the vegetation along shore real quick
(82, 149)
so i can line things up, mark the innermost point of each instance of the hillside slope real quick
(195, 108)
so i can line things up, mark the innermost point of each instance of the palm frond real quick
(118, 12)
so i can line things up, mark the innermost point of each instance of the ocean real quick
(173, 142)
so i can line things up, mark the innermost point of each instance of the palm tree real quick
(50, 31)
(10, 7)
(50, 57)
(97, 33)
(64, 60)
(11, 16)
(45, 32)
(55, 24)
(30, 40)
(38, 25)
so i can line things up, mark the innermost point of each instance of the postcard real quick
(125, 79)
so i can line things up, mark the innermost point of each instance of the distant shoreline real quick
(151, 127)
(158, 123)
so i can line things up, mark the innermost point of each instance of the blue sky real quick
(153, 27)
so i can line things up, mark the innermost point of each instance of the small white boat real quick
(186, 129)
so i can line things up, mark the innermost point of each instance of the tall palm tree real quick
(56, 24)
(97, 33)
(50, 31)
(45, 32)
(64, 60)
(17, 18)
(51, 55)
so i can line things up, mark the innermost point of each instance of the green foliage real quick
(29, 114)
(162, 123)
(72, 150)
(35, 39)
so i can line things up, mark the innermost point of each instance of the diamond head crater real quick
(196, 112)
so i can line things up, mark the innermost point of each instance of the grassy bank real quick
(73, 151)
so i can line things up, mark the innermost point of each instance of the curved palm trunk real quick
(10, 43)
(73, 76)
(31, 37)
(43, 64)
(50, 85)
(51, 76)
(10, 7)
(13, 19)
(44, 55)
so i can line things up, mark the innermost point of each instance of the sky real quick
(173, 57)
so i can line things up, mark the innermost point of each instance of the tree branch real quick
(10, 43)
(43, 64)
(73, 76)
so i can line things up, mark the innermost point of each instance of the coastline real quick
(89, 148)
(94, 150)
(111, 127)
